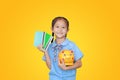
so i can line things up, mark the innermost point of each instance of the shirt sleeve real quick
(43, 58)
(77, 53)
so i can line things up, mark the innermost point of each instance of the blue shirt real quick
(56, 73)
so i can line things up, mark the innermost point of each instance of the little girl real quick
(59, 71)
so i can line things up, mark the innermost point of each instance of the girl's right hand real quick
(40, 48)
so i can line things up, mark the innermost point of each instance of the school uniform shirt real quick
(56, 73)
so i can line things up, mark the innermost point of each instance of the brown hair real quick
(55, 20)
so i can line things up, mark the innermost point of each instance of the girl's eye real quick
(63, 27)
(57, 26)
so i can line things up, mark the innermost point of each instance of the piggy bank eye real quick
(64, 54)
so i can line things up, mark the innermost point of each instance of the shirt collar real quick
(65, 42)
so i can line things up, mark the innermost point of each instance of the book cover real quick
(38, 39)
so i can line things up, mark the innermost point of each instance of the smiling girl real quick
(59, 71)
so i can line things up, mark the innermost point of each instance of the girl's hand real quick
(62, 65)
(40, 48)
(48, 61)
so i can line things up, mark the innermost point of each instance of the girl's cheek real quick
(65, 31)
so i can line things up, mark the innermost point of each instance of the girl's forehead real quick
(61, 22)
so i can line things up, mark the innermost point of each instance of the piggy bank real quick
(67, 56)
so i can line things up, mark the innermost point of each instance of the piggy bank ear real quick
(71, 51)
(62, 51)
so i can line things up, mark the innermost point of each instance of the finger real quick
(59, 61)
(41, 45)
(63, 61)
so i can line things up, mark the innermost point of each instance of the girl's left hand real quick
(62, 65)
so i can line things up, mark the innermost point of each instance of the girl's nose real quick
(60, 29)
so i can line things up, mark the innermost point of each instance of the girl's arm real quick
(76, 65)
(48, 63)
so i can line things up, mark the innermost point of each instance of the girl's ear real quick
(67, 30)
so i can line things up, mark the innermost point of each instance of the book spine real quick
(49, 42)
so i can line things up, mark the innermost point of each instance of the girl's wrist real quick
(45, 52)
(66, 68)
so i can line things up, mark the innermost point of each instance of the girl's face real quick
(60, 29)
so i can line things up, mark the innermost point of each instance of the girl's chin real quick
(60, 37)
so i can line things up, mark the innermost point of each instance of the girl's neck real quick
(60, 40)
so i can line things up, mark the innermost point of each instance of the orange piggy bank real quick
(67, 56)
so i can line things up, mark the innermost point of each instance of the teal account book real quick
(38, 39)
(42, 38)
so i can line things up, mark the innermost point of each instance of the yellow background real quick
(94, 27)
